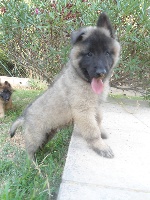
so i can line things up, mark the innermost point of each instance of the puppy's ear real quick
(7, 84)
(104, 22)
(77, 36)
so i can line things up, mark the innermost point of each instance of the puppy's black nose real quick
(101, 72)
(6, 98)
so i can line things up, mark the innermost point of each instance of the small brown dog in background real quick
(5, 97)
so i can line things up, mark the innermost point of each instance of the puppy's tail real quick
(15, 125)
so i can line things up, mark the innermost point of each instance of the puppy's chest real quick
(83, 100)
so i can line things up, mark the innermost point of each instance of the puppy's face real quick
(5, 95)
(97, 55)
(95, 52)
(5, 91)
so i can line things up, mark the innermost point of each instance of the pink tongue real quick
(97, 85)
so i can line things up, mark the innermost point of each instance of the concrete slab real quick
(132, 115)
(144, 116)
(15, 81)
(78, 191)
(126, 121)
(87, 176)
(126, 170)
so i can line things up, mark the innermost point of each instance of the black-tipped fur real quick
(15, 125)
(76, 36)
(104, 22)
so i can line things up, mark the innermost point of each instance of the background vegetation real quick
(35, 36)
(35, 43)
(21, 180)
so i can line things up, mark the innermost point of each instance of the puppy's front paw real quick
(102, 149)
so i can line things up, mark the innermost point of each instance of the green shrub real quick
(36, 35)
(5, 65)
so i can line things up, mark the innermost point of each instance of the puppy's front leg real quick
(99, 121)
(89, 129)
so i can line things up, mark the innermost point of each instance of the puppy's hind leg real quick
(33, 141)
(104, 134)
(31, 149)
(49, 136)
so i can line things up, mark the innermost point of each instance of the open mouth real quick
(96, 82)
(97, 85)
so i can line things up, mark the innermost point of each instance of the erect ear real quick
(104, 22)
(77, 36)
(7, 84)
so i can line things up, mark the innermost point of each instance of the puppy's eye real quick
(107, 53)
(89, 54)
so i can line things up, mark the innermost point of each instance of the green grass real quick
(121, 96)
(20, 179)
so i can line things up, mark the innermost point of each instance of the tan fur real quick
(69, 100)
(66, 101)
(2, 110)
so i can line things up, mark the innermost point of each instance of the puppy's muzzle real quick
(101, 73)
